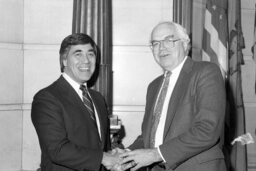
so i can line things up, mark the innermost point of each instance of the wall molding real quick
(128, 108)
(15, 107)
(116, 48)
(10, 107)
(11, 46)
(116, 108)
(131, 49)
(42, 47)
(252, 162)
(22, 46)
(250, 104)
(248, 57)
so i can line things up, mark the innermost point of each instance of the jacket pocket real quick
(212, 154)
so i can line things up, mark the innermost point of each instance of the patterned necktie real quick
(158, 108)
(88, 102)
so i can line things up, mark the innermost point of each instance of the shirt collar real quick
(73, 83)
(179, 67)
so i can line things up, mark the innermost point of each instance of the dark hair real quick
(74, 39)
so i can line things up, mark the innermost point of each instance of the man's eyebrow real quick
(91, 50)
(77, 51)
(170, 36)
(167, 37)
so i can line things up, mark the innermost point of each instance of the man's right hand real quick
(111, 160)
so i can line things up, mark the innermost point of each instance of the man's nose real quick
(162, 45)
(84, 58)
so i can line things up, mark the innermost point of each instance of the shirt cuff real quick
(127, 149)
(158, 149)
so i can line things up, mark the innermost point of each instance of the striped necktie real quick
(88, 102)
(158, 107)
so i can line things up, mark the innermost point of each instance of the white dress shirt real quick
(172, 82)
(76, 87)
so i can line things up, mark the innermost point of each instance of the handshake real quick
(120, 159)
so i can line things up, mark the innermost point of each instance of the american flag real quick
(215, 34)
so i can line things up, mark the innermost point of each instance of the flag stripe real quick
(215, 35)
(208, 52)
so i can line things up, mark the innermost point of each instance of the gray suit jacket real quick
(194, 122)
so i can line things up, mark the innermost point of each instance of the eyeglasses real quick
(168, 42)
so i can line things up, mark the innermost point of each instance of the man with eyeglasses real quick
(184, 113)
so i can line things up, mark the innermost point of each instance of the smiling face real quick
(170, 50)
(80, 62)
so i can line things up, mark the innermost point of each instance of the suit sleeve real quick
(207, 122)
(49, 123)
(137, 144)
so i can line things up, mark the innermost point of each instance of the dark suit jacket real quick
(68, 137)
(194, 120)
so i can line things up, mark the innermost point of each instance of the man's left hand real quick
(140, 158)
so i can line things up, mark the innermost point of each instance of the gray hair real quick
(181, 31)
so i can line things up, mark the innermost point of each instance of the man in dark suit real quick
(181, 130)
(73, 134)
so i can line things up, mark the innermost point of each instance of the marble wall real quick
(11, 89)
(248, 78)
(30, 35)
(46, 23)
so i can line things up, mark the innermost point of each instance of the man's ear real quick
(64, 62)
(186, 45)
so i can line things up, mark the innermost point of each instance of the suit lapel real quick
(99, 111)
(178, 93)
(68, 93)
